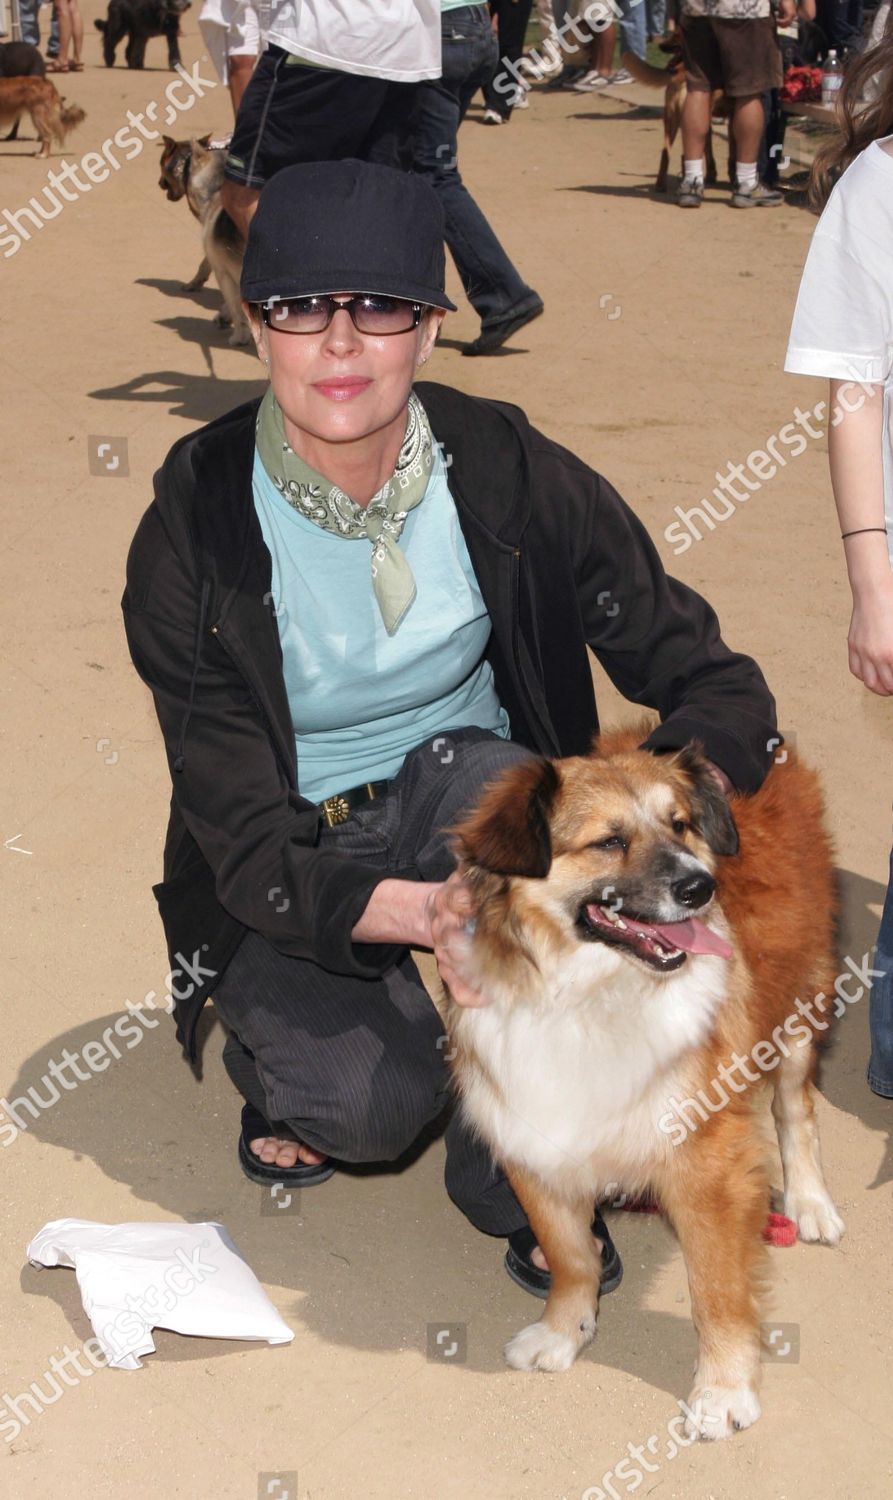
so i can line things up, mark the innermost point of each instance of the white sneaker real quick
(623, 75)
(590, 82)
(493, 117)
(522, 101)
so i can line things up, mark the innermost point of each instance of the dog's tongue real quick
(692, 935)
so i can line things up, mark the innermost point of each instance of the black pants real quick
(293, 113)
(355, 1067)
(511, 28)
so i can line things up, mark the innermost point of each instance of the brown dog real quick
(672, 80)
(639, 938)
(194, 170)
(51, 117)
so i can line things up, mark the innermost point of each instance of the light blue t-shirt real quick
(361, 699)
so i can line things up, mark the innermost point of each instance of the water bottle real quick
(832, 78)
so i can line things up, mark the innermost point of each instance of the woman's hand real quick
(426, 915)
(451, 920)
(870, 639)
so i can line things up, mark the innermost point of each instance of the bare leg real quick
(64, 18)
(718, 1209)
(604, 51)
(748, 124)
(568, 1322)
(77, 29)
(695, 123)
(806, 1198)
(240, 203)
(241, 68)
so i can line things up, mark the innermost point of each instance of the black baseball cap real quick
(346, 226)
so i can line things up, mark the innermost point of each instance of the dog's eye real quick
(678, 825)
(613, 842)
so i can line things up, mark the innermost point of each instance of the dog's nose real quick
(694, 890)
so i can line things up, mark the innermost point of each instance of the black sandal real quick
(305, 1174)
(538, 1282)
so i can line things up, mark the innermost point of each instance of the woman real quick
(843, 331)
(355, 602)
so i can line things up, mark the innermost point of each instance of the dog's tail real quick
(101, 25)
(644, 72)
(68, 117)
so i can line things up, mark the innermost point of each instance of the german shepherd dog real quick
(138, 20)
(672, 80)
(635, 930)
(194, 170)
(51, 117)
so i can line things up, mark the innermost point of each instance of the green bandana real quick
(381, 522)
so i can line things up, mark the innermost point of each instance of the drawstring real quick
(180, 756)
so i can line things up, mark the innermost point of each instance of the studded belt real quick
(338, 808)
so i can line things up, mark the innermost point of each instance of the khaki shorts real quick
(740, 57)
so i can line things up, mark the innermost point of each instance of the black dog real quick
(138, 20)
(20, 60)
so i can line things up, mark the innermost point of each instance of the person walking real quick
(333, 82)
(510, 18)
(500, 296)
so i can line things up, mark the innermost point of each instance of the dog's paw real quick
(238, 337)
(816, 1217)
(720, 1412)
(539, 1347)
(194, 285)
(223, 319)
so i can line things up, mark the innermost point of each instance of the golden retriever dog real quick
(637, 932)
(51, 117)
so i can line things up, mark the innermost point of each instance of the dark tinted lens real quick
(383, 315)
(299, 315)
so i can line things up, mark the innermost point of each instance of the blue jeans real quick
(880, 1064)
(29, 21)
(492, 284)
(640, 19)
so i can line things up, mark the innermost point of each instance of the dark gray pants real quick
(354, 1067)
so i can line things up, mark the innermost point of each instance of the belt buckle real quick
(336, 809)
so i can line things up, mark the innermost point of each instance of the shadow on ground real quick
(171, 1143)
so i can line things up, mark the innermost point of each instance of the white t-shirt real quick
(843, 321)
(394, 39)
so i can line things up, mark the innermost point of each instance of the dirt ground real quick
(659, 361)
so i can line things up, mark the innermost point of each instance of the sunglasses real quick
(370, 313)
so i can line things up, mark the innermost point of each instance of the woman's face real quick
(340, 385)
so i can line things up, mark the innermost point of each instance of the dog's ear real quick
(168, 142)
(709, 805)
(205, 141)
(508, 833)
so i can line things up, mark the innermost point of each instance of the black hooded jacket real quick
(563, 565)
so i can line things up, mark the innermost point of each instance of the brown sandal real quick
(57, 67)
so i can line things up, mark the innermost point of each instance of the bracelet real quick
(860, 529)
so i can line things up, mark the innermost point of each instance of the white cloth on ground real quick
(136, 1277)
